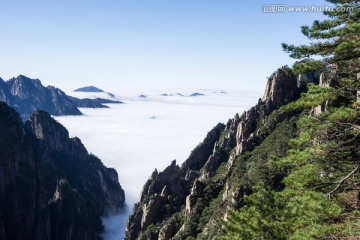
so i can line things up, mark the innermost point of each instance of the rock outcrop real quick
(190, 201)
(50, 186)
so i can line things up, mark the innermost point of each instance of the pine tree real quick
(337, 40)
(321, 197)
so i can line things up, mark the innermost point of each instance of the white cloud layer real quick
(148, 133)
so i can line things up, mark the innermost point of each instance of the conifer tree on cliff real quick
(337, 40)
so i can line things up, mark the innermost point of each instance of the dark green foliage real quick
(322, 162)
(190, 238)
(307, 65)
(253, 167)
(249, 169)
(282, 215)
(320, 198)
(301, 211)
(150, 233)
(315, 96)
(337, 39)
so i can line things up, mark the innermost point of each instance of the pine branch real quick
(342, 182)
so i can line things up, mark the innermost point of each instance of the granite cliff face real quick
(50, 186)
(190, 201)
(26, 95)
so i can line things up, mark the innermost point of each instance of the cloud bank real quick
(148, 133)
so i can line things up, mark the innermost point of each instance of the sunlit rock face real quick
(50, 186)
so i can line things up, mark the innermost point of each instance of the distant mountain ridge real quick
(195, 94)
(92, 103)
(92, 89)
(27, 95)
(88, 89)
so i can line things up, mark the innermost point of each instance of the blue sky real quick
(219, 44)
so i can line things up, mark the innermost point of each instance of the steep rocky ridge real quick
(50, 186)
(26, 95)
(92, 103)
(189, 202)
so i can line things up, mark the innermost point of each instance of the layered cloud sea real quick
(148, 131)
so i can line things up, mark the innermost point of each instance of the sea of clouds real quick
(149, 132)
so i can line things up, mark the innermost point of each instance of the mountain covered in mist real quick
(26, 95)
(88, 89)
(285, 169)
(191, 200)
(50, 186)
(92, 103)
(195, 94)
(92, 89)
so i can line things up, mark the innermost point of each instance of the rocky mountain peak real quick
(282, 87)
(26, 95)
(22, 86)
(26, 81)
